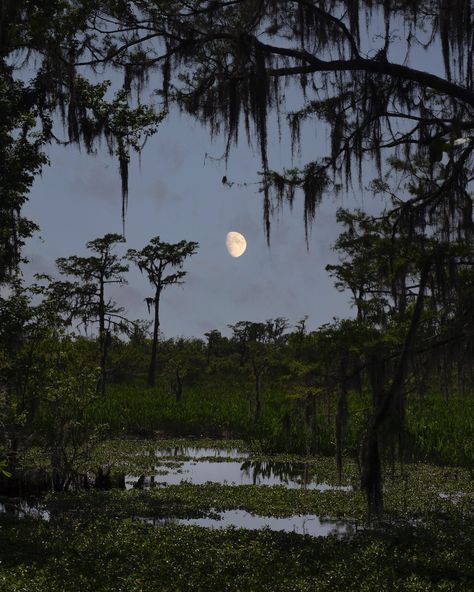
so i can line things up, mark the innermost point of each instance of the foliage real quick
(227, 62)
(21, 158)
(120, 554)
(47, 384)
(155, 259)
(86, 299)
(41, 88)
(409, 268)
(101, 540)
(63, 427)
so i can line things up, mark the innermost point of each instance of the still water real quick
(309, 524)
(196, 452)
(293, 475)
(212, 465)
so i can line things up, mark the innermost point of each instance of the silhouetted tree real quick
(224, 60)
(227, 63)
(409, 284)
(95, 273)
(155, 260)
(44, 85)
(214, 339)
(257, 343)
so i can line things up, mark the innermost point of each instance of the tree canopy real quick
(355, 68)
(232, 60)
(156, 260)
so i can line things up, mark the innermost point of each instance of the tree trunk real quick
(258, 386)
(178, 387)
(341, 421)
(12, 454)
(102, 338)
(103, 361)
(371, 480)
(154, 347)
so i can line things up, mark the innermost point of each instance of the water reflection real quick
(288, 474)
(19, 508)
(220, 471)
(194, 452)
(309, 524)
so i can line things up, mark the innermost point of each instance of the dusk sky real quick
(177, 193)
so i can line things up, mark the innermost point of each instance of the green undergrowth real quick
(115, 555)
(411, 490)
(186, 499)
(417, 497)
(205, 410)
(440, 428)
(95, 541)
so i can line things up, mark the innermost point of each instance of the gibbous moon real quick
(235, 243)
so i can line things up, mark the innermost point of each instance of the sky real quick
(176, 192)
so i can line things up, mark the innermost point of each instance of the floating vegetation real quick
(191, 536)
(201, 471)
(309, 524)
(113, 554)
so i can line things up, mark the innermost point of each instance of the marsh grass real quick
(442, 429)
(138, 409)
(121, 555)
(438, 429)
(94, 541)
(413, 490)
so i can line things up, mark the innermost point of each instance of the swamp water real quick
(227, 467)
(233, 473)
(309, 524)
(232, 467)
(198, 466)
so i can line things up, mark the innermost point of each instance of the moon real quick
(235, 243)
